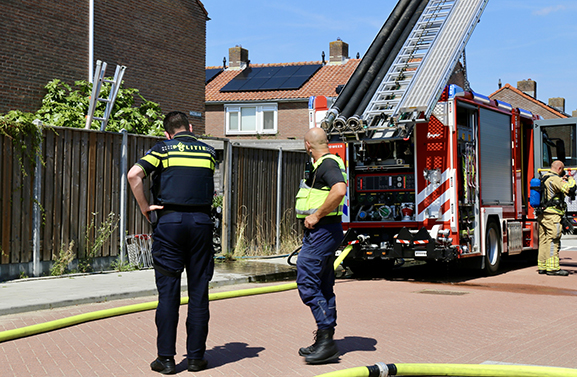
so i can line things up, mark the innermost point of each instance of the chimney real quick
(574, 113)
(338, 52)
(237, 57)
(557, 103)
(528, 87)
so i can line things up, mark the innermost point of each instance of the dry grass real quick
(264, 241)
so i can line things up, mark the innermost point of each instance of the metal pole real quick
(90, 41)
(227, 197)
(123, 193)
(278, 198)
(36, 216)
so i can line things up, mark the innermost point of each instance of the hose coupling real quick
(381, 369)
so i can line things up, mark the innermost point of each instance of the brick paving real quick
(516, 317)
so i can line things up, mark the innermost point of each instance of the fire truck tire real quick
(493, 247)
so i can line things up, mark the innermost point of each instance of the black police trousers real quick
(183, 240)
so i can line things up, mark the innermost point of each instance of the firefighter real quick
(182, 172)
(557, 185)
(319, 205)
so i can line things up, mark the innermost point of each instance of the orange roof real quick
(322, 83)
(528, 97)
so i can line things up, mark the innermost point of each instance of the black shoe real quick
(164, 365)
(304, 351)
(558, 273)
(325, 349)
(196, 365)
(542, 272)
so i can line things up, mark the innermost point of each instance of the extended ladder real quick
(422, 68)
(96, 87)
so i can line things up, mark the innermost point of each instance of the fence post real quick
(123, 193)
(227, 200)
(278, 198)
(36, 215)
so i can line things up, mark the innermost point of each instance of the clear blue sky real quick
(515, 40)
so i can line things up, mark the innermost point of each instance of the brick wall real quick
(293, 120)
(215, 122)
(40, 41)
(162, 43)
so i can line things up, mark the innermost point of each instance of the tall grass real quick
(262, 241)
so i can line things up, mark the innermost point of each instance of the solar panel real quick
(211, 73)
(271, 78)
(274, 83)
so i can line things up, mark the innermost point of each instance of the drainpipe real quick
(91, 41)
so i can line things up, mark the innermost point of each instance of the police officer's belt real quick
(169, 208)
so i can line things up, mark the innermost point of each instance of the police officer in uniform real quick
(319, 204)
(557, 185)
(182, 171)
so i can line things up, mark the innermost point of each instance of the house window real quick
(251, 119)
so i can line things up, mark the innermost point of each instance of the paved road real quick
(417, 315)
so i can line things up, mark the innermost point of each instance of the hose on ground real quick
(461, 370)
(107, 313)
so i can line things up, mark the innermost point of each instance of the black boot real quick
(558, 273)
(304, 351)
(164, 365)
(325, 349)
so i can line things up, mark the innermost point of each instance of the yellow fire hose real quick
(106, 313)
(461, 370)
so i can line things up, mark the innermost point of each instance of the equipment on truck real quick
(436, 172)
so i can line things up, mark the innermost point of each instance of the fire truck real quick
(436, 172)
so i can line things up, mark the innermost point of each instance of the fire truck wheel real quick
(492, 248)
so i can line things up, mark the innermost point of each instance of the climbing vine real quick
(63, 106)
(26, 136)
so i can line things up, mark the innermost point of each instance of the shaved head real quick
(557, 166)
(316, 138)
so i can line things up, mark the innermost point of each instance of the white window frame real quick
(261, 108)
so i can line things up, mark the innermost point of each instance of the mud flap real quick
(409, 245)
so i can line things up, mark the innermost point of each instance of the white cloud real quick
(548, 10)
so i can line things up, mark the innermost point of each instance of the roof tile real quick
(528, 97)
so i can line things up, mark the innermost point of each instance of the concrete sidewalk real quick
(33, 294)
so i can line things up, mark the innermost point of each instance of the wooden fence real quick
(81, 181)
(263, 185)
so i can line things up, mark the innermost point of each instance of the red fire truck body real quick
(450, 188)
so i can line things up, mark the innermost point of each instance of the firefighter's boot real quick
(305, 351)
(324, 349)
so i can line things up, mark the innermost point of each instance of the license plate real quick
(421, 253)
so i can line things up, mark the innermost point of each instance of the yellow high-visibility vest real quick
(309, 199)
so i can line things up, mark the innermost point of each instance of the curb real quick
(222, 282)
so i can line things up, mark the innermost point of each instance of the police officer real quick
(182, 188)
(557, 185)
(319, 204)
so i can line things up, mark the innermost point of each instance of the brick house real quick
(162, 44)
(275, 113)
(524, 96)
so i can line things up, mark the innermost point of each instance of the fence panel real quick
(137, 147)
(6, 192)
(254, 195)
(81, 177)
